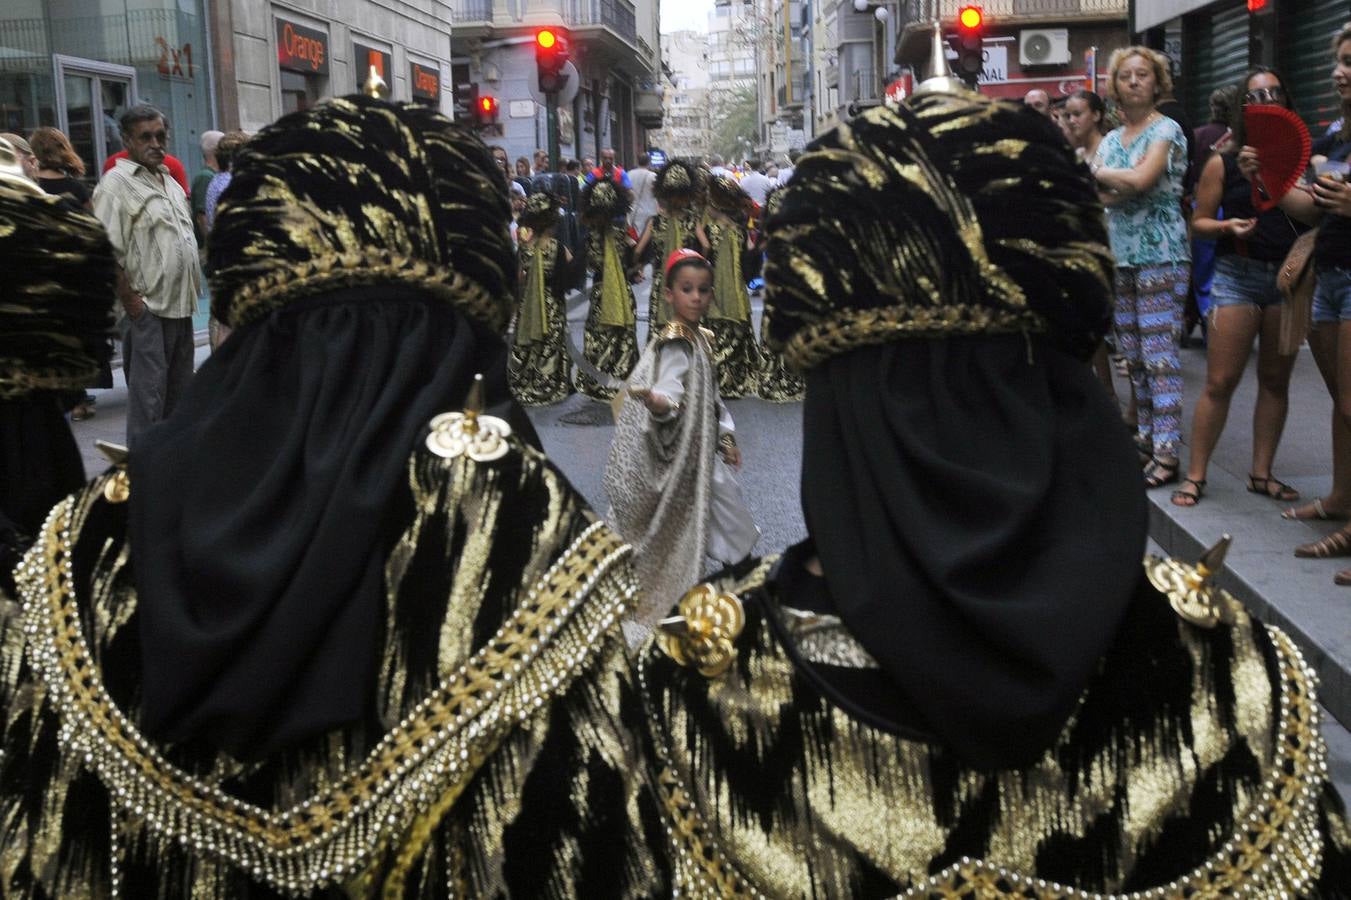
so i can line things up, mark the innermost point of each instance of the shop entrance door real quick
(90, 96)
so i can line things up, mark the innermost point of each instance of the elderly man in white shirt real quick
(159, 276)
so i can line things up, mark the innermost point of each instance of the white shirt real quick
(149, 224)
(757, 185)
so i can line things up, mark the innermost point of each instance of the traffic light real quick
(466, 102)
(485, 112)
(551, 55)
(969, 43)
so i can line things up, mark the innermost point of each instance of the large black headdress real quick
(952, 214)
(681, 179)
(56, 296)
(727, 196)
(388, 194)
(541, 211)
(941, 270)
(603, 201)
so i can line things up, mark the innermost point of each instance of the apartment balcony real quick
(1027, 11)
(610, 29)
(473, 18)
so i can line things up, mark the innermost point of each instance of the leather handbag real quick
(1296, 280)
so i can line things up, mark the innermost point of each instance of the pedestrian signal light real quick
(485, 113)
(551, 55)
(969, 44)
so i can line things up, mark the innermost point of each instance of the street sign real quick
(656, 158)
(570, 87)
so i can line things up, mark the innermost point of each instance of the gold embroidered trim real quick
(430, 755)
(17, 380)
(1275, 852)
(851, 328)
(277, 288)
(679, 331)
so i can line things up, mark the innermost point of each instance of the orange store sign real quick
(301, 49)
(426, 81)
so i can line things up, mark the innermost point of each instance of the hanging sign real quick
(301, 49)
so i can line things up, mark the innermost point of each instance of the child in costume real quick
(680, 190)
(540, 370)
(670, 477)
(610, 343)
(778, 383)
(727, 237)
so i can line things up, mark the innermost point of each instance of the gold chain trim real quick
(18, 381)
(850, 328)
(257, 298)
(1275, 852)
(431, 754)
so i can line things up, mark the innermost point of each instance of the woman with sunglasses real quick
(1245, 305)
(1327, 203)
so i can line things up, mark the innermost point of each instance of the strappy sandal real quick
(1284, 492)
(1188, 498)
(1343, 577)
(1159, 473)
(1336, 544)
(1319, 512)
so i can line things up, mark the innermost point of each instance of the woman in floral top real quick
(1139, 168)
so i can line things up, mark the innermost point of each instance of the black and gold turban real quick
(359, 192)
(541, 211)
(726, 195)
(681, 179)
(602, 202)
(56, 296)
(950, 215)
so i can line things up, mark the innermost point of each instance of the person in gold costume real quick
(610, 341)
(337, 628)
(778, 383)
(965, 683)
(541, 371)
(727, 237)
(681, 190)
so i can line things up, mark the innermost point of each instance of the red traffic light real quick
(546, 39)
(971, 17)
(488, 104)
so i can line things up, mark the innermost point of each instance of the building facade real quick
(615, 49)
(686, 123)
(1213, 43)
(79, 64)
(278, 56)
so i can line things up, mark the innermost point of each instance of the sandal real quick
(1314, 510)
(1185, 498)
(1284, 492)
(1158, 473)
(1343, 577)
(1336, 544)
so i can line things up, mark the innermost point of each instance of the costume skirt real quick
(778, 383)
(540, 371)
(611, 348)
(737, 357)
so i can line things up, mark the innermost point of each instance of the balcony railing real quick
(948, 9)
(866, 87)
(616, 15)
(473, 10)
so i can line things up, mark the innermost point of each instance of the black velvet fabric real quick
(263, 511)
(980, 519)
(39, 464)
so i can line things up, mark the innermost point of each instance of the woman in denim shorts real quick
(1245, 304)
(1327, 203)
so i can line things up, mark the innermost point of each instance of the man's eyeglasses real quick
(1265, 95)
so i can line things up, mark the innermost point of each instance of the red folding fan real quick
(1283, 145)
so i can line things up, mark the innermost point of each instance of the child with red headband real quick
(670, 477)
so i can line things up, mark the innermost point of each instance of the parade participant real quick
(681, 188)
(778, 383)
(55, 310)
(735, 354)
(673, 494)
(541, 372)
(964, 683)
(314, 641)
(610, 342)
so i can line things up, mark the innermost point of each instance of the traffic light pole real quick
(551, 108)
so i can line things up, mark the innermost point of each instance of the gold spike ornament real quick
(470, 433)
(1191, 589)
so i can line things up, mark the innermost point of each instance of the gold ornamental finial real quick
(1191, 589)
(703, 635)
(375, 86)
(940, 78)
(117, 489)
(469, 432)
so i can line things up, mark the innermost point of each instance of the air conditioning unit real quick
(1043, 46)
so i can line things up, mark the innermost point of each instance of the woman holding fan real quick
(1245, 305)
